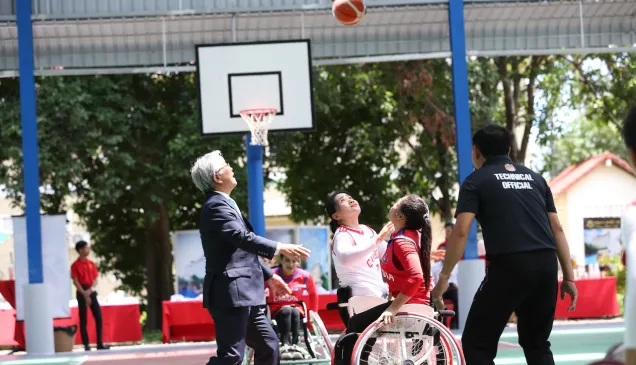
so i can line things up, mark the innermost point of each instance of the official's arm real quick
(562, 247)
(222, 219)
(467, 209)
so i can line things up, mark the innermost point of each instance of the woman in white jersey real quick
(356, 248)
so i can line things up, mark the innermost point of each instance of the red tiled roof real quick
(574, 173)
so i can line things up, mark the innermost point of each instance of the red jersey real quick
(297, 282)
(402, 268)
(84, 271)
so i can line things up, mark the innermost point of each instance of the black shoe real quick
(103, 347)
(87, 348)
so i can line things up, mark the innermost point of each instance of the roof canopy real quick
(107, 34)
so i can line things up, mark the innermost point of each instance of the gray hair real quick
(203, 169)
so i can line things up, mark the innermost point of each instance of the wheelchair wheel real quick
(411, 339)
(321, 336)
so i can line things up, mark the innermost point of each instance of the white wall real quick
(604, 192)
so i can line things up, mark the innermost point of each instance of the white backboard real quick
(237, 76)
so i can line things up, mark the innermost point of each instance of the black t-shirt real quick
(511, 203)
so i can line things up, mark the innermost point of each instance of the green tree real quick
(352, 147)
(602, 88)
(531, 96)
(120, 147)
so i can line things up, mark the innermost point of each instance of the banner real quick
(189, 262)
(318, 264)
(56, 269)
(601, 235)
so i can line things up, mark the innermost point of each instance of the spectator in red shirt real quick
(84, 272)
(285, 309)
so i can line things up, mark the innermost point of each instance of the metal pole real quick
(462, 105)
(255, 186)
(39, 323)
(471, 269)
(581, 22)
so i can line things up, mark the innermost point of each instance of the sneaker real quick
(286, 353)
(304, 354)
(103, 347)
(87, 348)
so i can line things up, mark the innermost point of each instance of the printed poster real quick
(601, 236)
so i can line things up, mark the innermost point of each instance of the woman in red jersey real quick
(406, 266)
(285, 309)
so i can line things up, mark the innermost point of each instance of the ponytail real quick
(417, 216)
(425, 250)
(333, 224)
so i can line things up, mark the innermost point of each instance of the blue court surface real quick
(574, 344)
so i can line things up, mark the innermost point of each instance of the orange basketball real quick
(349, 12)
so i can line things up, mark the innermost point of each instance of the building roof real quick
(570, 176)
(113, 36)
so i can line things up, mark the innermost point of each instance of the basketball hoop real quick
(258, 120)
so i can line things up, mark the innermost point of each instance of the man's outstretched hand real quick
(277, 282)
(294, 252)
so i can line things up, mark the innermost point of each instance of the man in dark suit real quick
(233, 290)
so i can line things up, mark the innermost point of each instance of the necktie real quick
(234, 205)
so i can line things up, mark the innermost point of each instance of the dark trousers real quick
(236, 327)
(451, 294)
(288, 320)
(97, 315)
(357, 324)
(523, 283)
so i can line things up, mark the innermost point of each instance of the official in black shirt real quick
(523, 239)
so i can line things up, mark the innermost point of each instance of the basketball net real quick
(259, 121)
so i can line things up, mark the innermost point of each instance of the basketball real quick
(349, 12)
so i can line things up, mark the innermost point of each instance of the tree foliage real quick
(120, 147)
(601, 89)
(352, 148)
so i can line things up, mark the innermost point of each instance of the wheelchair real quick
(315, 338)
(415, 337)
(615, 356)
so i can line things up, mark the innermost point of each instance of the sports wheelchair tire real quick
(412, 339)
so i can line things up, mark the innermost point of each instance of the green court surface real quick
(571, 345)
(576, 344)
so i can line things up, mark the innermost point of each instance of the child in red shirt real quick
(83, 273)
(286, 310)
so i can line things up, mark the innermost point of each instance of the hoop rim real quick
(258, 111)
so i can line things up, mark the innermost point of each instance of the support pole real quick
(471, 269)
(38, 322)
(255, 186)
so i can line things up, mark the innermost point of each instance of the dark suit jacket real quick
(234, 274)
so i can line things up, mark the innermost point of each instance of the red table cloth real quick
(189, 321)
(120, 323)
(597, 299)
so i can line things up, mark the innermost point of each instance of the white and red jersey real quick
(356, 258)
(402, 267)
(299, 282)
(628, 233)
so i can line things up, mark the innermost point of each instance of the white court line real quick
(557, 358)
(574, 331)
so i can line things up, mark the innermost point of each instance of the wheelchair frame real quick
(432, 319)
(317, 341)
